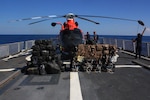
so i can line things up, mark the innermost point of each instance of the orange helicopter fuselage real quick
(70, 25)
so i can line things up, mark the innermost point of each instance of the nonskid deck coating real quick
(128, 82)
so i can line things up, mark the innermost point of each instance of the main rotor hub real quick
(70, 16)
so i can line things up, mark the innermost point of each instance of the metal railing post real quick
(8, 49)
(18, 46)
(123, 44)
(33, 42)
(116, 42)
(134, 47)
(26, 46)
(103, 41)
(148, 49)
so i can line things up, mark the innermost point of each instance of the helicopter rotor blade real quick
(71, 15)
(42, 20)
(87, 19)
(35, 18)
(38, 21)
(117, 18)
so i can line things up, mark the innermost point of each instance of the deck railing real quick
(128, 45)
(14, 48)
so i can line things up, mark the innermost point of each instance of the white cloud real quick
(148, 29)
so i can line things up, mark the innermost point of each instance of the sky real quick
(130, 9)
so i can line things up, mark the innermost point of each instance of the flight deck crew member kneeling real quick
(138, 41)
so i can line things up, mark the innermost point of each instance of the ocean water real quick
(4, 39)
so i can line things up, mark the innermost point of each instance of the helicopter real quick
(70, 34)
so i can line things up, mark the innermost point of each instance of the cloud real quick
(148, 29)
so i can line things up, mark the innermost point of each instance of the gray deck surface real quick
(124, 84)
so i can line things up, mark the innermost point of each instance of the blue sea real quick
(4, 39)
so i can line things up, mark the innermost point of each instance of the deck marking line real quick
(75, 89)
(127, 66)
(3, 82)
(7, 70)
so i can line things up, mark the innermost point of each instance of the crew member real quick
(95, 37)
(88, 41)
(87, 36)
(138, 41)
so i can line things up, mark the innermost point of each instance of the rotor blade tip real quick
(141, 22)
